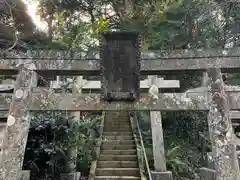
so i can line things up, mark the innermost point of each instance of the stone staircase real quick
(118, 154)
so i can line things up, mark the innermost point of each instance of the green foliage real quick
(102, 25)
(89, 133)
(51, 135)
(82, 37)
(165, 24)
(176, 163)
(184, 138)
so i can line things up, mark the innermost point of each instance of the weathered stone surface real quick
(210, 160)
(96, 85)
(148, 67)
(90, 102)
(181, 53)
(162, 175)
(24, 175)
(221, 129)
(164, 102)
(207, 174)
(120, 66)
(158, 142)
(71, 176)
(44, 98)
(4, 87)
(18, 123)
(3, 114)
(157, 131)
(235, 115)
(207, 89)
(191, 53)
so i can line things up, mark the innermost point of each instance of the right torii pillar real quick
(221, 134)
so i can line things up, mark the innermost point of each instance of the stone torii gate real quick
(27, 98)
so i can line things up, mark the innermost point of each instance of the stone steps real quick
(117, 178)
(117, 142)
(118, 138)
(105, 157)
(112, 133)
(117, 171)
(118, 147)
(118, 154)
(119, 121)
(118, 130)
(117, 125)
(117, 164)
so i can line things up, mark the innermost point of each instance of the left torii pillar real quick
(18, 124)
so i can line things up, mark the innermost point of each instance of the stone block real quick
(71, 176)
(120, 66)
(207, 174)
(162, 175)
(210, 161)
(24, 175)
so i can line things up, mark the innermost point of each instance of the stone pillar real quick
(158, 143)
(73, 152)
(221, 128)
(210, 160)
(18, 123)
(24, 175)
(162, 175)
(157, 136)
(207, 174)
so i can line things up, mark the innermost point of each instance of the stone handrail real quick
(134, 122)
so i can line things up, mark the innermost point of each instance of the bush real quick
(50, 137)
(185, 141)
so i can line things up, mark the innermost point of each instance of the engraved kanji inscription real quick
(120, 66)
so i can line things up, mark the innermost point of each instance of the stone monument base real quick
(71, 176)
(207, 174)
(162, 175)
(24, 175)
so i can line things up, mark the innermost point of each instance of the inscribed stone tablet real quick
(120, 66)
